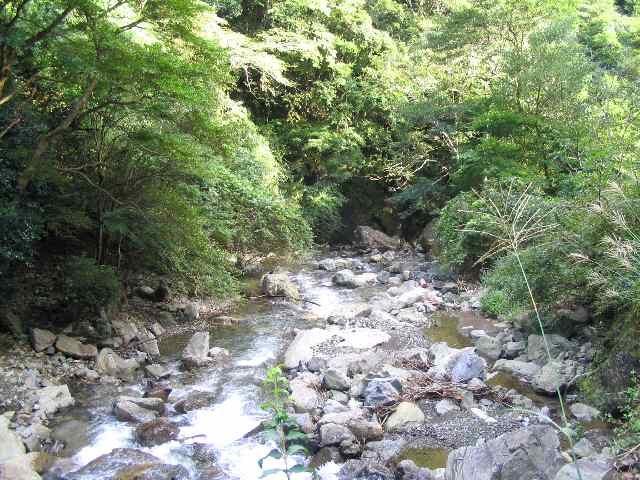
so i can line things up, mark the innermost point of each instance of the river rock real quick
(196, 353)
(42, 339)
(382, 391)
(279, 285)
(446, 406)
(126, 330)
(346, 278)
(583, 412)
(554, 376)
(488, 346)
(53, 398)
(148, 343)
(33, 436)
(365, 430)
(405, 414)
(301, 349)
(159, 390)
(334, 434)
(195, 400)
(128, 463)
(531, 453)
(525, 370)
(410, 298)
(384, 451)
(110, 363)
(10, 443)
(130, 412)
(335, 379)
(371, 238)
(589, 469)
(584, 448)
(458, 365)
(536, 349)
(73, 434)
(364, 470)
(75, 349)
(157, 371)
(327, 264)
(150, 403)
(156, 432)
(514, 349)
(219, 354)
(304, 393)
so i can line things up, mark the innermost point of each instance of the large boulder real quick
(346, 278)
(406, 413)
(524, 370)
(75, 349)
(24, 467)
(156, 432)
(537, 348)
(148, 343)
(407, 299)
(195, 400)
(489, 347)
(530, 453)
(300, 351)
(110, 363)
(304, 393)
(382, 391)
(554, 376)
(128, 411)
(364, 470)
(128, 463)
(10, 443)
(335, 379)
(53, 398)
(334, 434)
(128, 331)
(588, 469)
(583, 412)
(368, 237)
(457, 365)
(42, 339)
(279, 285)
(196, 353)
(327, 264)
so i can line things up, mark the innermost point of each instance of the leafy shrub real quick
(456, 245)
(87, 285)
(495, 302)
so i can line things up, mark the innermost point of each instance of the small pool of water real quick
(511, 382)
(426, 457)
(446, 329)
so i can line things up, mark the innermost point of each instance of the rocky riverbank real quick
(400, 378)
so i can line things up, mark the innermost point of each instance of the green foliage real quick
(87, 285)
(281, 428)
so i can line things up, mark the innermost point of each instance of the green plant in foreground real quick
(281, 428)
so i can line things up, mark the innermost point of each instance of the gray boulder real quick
(335, 379)
(10, 443)
(489, 347)
(304, 393)
(279, 285)
(130, 412)
(587, 469)
(42, 339)
(334, 434)
(157, 371)
(371, 238)
(110, 363)
(75, 349)
(382, 391)
(122, 463)
(514, 349)
(524, 370)
(327, 264)
(53, 398)
(126, 330)
(555, 376)
(195, 400)
(406, 413)
(537, 351)
(365, 470)
(156, 432)
(530, 453)
(583, 412)
(148, 343)
(458, 365)
(196, 353)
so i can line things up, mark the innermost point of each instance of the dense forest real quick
(187, 138)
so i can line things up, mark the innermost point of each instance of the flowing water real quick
(256, 343)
